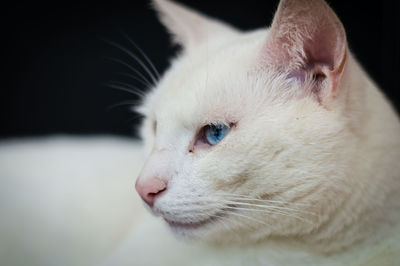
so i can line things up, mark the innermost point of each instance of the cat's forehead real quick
(214, 79)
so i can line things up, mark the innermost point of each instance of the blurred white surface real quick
(66, 200)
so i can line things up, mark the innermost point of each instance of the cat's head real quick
(246, 132)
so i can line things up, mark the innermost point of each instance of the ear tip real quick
(159, 5)
(156, 4)
(158, 1)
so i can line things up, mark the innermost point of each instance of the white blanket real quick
(66, 200)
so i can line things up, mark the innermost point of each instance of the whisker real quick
(122, 88)
(249, 198)
(143, 54)
(132, 102)
(205, 209)
(134, 89)
(248, 209)
(269, 211)
(143, 79)
(269, 207)
(244, 216)
(133, 56)
(133, 77)
(227, 204)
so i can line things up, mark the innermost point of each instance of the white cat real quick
(269, 140)
(269, 147)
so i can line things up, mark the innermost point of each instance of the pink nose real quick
(150, 188)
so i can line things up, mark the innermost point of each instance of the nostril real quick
(153, 194)
(149, 189)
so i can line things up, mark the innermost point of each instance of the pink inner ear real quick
(306, 38)
(326, 46)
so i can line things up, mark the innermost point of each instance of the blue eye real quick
(215, 133)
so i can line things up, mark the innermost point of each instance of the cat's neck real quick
(372, 207)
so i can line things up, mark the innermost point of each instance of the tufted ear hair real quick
(308, 41)
(188, 27)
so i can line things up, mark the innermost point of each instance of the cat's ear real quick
(308, 40)
(188, 27)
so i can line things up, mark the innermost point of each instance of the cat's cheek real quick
(216, 171)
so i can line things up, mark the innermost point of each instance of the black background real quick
(55, 65)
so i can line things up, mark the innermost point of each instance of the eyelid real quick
(199, 139)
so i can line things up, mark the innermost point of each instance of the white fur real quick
(328, 161)
(322, 172)
(331, 159)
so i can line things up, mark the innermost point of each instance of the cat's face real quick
(238, 148)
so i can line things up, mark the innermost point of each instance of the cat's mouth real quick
(190, 224)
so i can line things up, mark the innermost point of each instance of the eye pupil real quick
(215, 133)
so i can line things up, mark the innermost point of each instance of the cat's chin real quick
(186, 226)
(205, 228)
(201, 230)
